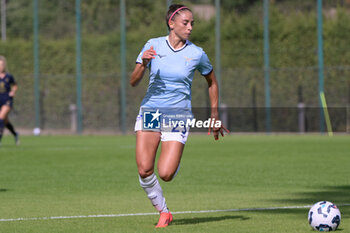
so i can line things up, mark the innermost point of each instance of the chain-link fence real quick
(293, 52)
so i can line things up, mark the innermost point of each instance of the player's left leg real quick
(173, 144)
(4, 111)
(10, 127)
(168, 163)
(169, 159)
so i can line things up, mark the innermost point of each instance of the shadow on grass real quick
(336, 194)
(339, 195)
(3, 190)
(198, 220)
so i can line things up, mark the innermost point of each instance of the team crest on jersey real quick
(188, 59)
(2, 87)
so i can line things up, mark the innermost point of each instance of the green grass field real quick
(90, 175)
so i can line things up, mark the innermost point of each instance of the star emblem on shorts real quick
(156, 115)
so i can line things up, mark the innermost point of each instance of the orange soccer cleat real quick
(164, 220)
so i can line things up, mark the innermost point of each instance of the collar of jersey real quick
(171, 47)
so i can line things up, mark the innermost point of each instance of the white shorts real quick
(164, 136)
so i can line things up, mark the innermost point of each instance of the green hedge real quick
(293, 48)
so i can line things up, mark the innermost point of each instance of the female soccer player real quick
(8, 88)
(172, 61)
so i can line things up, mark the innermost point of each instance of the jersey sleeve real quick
(204, 66)
(145, 47)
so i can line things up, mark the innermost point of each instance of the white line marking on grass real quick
(156, 213)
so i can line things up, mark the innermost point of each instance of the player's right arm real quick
(140, 68)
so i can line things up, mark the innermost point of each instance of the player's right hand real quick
(148, 55)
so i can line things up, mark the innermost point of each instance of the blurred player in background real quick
(8, 88)
(172, 61)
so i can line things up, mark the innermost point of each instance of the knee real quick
(143, 172)
(166, 175)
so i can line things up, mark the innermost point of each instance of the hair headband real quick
(184, 7)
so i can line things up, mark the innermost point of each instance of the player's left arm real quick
(213, 89)
(14, 87)
(13, 90)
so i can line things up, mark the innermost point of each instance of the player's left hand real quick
(217, 130)
(12, 93)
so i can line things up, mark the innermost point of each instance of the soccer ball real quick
(324, 216)
(36, 131)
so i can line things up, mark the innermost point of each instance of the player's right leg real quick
(146, 148)
(2, 124)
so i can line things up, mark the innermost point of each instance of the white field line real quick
(156, 213)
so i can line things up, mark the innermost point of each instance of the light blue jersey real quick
(171, 73)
